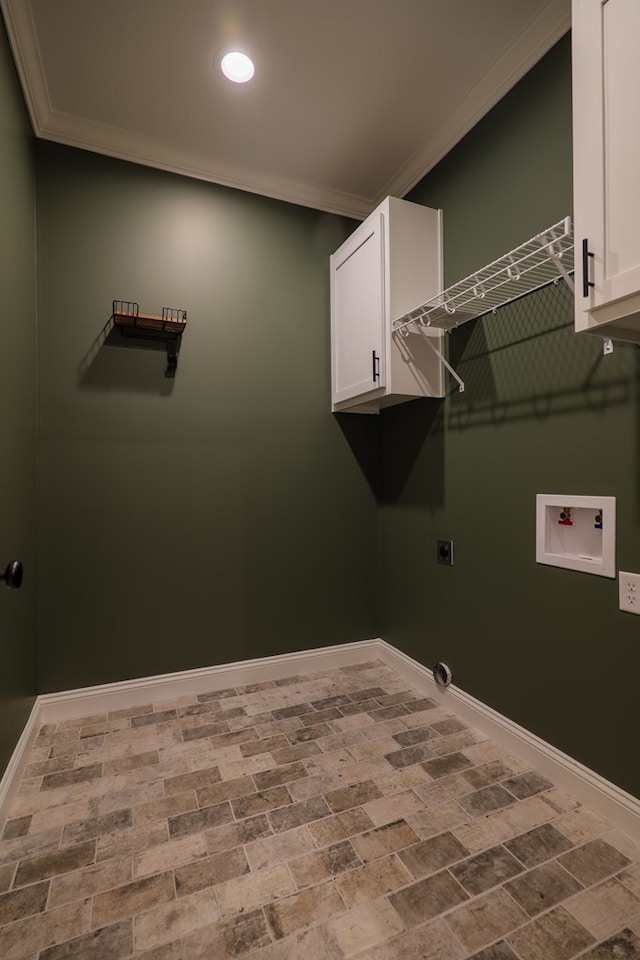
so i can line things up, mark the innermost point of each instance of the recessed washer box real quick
(576, 532)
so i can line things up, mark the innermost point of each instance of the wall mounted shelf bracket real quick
(168, 327)
(544, 259)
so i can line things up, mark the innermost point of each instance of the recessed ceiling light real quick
(237, 66)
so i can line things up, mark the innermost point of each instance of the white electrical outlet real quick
(629, 591)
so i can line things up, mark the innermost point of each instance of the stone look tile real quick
(554, 936)
(408, 738)
(250, 748)
(132, 898)
(384, 840)
(313, 868)
(188, 792)
(624, 945)
(96, 826)
(314, 786)
(295, 814)
(90, 880)
(542, 887)
(362, 770)
(228, 939)
(350, 823)
(280, 775)
(497, 951)
(171, 806)
(486, 870)
(255, 803)
(580, 825)
(166, 856)
(445, 766)
(68, 778)
(254, 889)
(131, 840)
(18, 940)
(362, 929)
(631, 879)
(199, 820)
(428, 856)
(408, 756)
(112, 941)
(353, 796)
(24, 902)
(486, 800)
(485, 918)
(594, 861)
(432, 820)
(148, 719)
(537, 845)
(54, 863)
(16, 828)
(161, 925)
(191, 781)
(209, 871)
(277, 849)
(6, 876)
(124, 764)
(432, 941)
(388, 809)
(315, 905)
(527, 784)
(372, 880)
(427, 898)
(487, 773)
(605, 908)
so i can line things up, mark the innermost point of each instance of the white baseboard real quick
(84, 701)
(600, 795)
(15, 768)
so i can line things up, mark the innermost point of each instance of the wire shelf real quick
(534, 264)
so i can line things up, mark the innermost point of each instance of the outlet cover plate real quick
(629, 592)
(445, 552)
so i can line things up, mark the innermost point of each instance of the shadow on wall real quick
(526, 363)
(387, 447)
(119, 362)
(522, 363)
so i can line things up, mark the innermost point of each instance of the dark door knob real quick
(12, 575)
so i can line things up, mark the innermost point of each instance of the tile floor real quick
(332, 816)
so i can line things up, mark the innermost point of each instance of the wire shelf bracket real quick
(544, 259)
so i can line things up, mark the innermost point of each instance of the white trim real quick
(534, 42)
(603, 797)
(84, 701)
(536, 39)
(15, 768)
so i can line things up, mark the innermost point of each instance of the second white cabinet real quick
(389, 265)
(606, 145)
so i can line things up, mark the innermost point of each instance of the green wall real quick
(18, 405)
(216, 516)
(543, 412)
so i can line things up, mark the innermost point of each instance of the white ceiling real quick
(352, 100)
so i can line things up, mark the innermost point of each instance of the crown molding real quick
(542, 33)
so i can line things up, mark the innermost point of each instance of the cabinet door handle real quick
(375, 366)
(586, 253)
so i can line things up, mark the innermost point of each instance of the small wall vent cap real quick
(442, 674)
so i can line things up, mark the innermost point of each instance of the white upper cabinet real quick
(390, 264)
(606, 166)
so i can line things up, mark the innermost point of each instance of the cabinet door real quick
(357, 312)
(606, 85)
